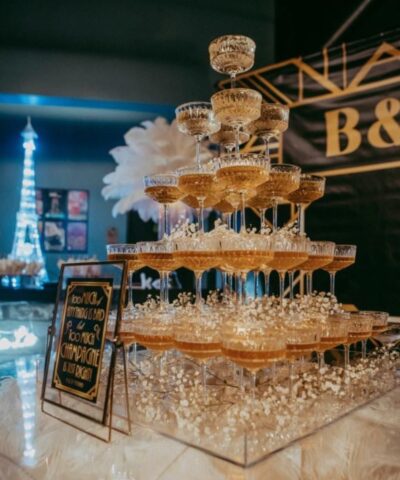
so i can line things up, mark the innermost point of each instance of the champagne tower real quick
(26, 246)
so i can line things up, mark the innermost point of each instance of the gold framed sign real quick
(83, 350)
(82, 337)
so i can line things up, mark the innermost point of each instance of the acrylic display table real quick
(363, 445)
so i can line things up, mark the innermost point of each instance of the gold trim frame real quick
(383, 53)
(56, 379)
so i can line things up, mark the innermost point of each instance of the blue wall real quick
(71, 153)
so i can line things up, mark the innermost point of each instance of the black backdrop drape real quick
(345, 124)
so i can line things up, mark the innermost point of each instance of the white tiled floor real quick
(364, 445)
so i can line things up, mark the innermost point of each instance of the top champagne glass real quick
(232, 55)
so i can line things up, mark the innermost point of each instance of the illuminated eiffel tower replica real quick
(26, 246)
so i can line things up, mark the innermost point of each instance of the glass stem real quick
(243, 277)
(301, 218)
(237, 152)
(332, 277)
(266, 144)
(233, 80)
(164, 297)
(135, 353)
(165, 228)
(241, 383)
(243, 211)
(291, 284)
(198, 145)
(161, 364)
(262, 218)
(363, 349)
(274, 214)
(238, 285)
(256, 282)
(204, 376)
(230, 284)
(253, 378)
(224, 282)
(267, 274)
(281, 285)
(309, 285)
(346, 356)
(229, 220)
(130, 299)
(273, 373)
(235, 226)
(291, 380)
(201, 215)
(321, 359)
(198, 277)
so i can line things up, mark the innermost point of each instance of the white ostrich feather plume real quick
(155, 147)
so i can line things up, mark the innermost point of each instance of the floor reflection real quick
(26, 368)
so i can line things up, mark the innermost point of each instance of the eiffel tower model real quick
(26, 246)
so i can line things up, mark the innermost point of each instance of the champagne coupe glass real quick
(199, 182)
(198, 253)
(261, 203)
(311, 188)
(232, 54)
(319, 255)
(360, 329)
(334, 332)
(226, 209)
(373, 316)
(302, 338)
(272, 122)
(163, 188)
(252, 345)
(160, 257)
(197, 119)
(154, 331)
(284, 178)
(242, 173)
(129, 253)
(208, 202)
(379, 320)
(242, 253)
(236, 107)
(344, 256)
(226, 137)
(289, 251)
(198, 338)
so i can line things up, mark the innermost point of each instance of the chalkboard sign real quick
(82, 336)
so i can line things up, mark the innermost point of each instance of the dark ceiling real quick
(304, 26)
(176, 31)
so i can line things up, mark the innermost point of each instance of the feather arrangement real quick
(154, 147)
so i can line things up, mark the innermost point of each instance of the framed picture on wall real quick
(54, 236)
(78, 204)
(63, 219)
(77, 237)
(54, 203)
